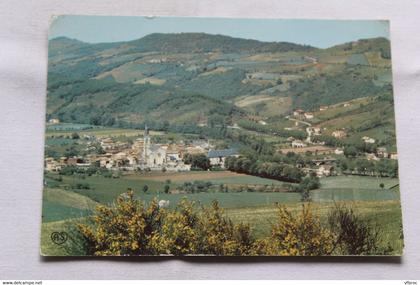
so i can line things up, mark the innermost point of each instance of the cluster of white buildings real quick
(339, 134)
(366, 139)
(381, 152)
(142, 154)
(299, 113)
(163, 156)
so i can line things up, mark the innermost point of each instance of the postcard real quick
(217, 136)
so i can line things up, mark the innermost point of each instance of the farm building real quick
(368, 140)
(309, 115)
(298, 112)
(339, 134)
(339, 151)
(218, 157)
(317, 131)
(382, 152)
(325, 170)
(371, 156)
(52, 165)
(298, 143)
(54, 121)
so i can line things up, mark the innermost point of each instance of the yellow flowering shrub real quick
(297, 235)
(126, 229)
(179, 235)
(220, 236)
(132, 228)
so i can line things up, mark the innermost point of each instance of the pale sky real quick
(318, 33)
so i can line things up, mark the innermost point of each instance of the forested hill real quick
(201, 42)
(167, 75)
(185, 42)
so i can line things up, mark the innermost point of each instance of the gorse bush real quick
(219, 236)
(130, 227)
(298, 235)
(178, 234)
(354, 235)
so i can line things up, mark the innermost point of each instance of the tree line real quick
(382, 168)
(270, 129)
(272, 170)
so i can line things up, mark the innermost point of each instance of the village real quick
(324, 157)
(142, 154)
(300, 117)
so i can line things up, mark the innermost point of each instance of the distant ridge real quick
(190, 42)
(199, 78)
(363, 45)
(204, 41)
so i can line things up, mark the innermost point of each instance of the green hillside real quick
(189, 78)
(201, 42)
(369, 116)
(345, 85)
(59, 204)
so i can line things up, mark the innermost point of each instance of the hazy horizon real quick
(316, 33)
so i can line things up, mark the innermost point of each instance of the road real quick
(308, 129)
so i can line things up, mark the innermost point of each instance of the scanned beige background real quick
(23, 69)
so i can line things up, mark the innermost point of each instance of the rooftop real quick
(222, 153)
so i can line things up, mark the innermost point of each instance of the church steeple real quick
(146, 130)
(146, 144)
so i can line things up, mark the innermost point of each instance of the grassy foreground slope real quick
(106, 190)
(60, 204)
(385, 215)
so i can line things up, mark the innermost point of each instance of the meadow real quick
(67, 129)
(106, 190)
(63, 206)
(218, 177)
(385, 215)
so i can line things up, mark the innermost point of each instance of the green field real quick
(246, 199)
(356, 182)
(385, 214)
(58, 211)
(70, 127)
(62, 209)
(98, 132)
(106, 190)
(218, 177)
(60, 204)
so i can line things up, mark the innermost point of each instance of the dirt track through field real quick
(187, 176)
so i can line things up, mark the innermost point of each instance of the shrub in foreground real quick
(131, 227)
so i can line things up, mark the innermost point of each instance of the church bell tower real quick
(146, 143)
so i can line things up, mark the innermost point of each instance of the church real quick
(159, 156)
